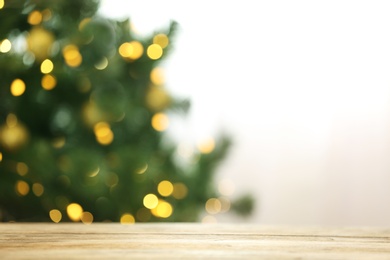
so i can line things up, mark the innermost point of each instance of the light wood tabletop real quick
(189, 241)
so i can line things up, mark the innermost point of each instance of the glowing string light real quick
(34, 18)
(154, 51)
(160, 122)
(127, 219)
(5, 46)
(55, 215)
(17, 87)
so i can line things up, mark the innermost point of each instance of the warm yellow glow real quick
(131, 50)
(213, 206)
(103, 133)
(22, 188)
(101, 65)
(154, 51)
(47, 66)
(17, 87)
(1, 156)
(1, 4)
(21, 168)
(125, 50)
(14, 134)
(142, 169)
(48, 82)
(127, 218)
(150, 201)
(38, 189)
(180, 190)
(157, 76)
(55, 215)
(5, 46)
(74, 211)
(83, 23)
(72, 55)
(163, 210)
(40, 42)
(206, 145)
(34, 18)
(161, 39)
(165, 188)
(160, 122)
(87, 218)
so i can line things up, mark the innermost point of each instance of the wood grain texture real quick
(189, 241)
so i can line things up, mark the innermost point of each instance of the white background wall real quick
(303, 86)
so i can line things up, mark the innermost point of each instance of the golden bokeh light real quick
(38, 189)
(72, 55)
(17, 87)
(48, 82)
(47, 66)
(103, 133)
(1, 156)
(131, 50)
(21, 168)
(157, 76)
(150, 201)
(22, 188)
(154, 51)
(180, 190)
(55, 215)
(206, 145)
(34, 18)
(40, 42)
(87, 217)
(165, 188)
(161, 39)
(1, 4)
(74, 211)
(160, 122)
(5, 46)
(213, 206)
(163, 209)
(13, 134)
(127, 219)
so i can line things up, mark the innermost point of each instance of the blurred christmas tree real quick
(83, 110)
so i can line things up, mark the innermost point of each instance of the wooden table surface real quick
(189, 241)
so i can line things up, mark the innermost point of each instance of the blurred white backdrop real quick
(303, 87)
